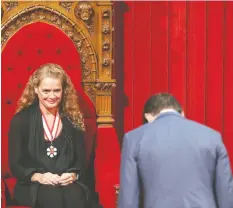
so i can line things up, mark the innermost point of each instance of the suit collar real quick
(169, 113)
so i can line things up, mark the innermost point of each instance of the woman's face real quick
(49, 92)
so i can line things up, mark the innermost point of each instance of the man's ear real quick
(150, 117)
(182, 113)
(146, 115)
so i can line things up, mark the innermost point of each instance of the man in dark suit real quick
(175, 162)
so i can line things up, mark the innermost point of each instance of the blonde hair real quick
(69, 104)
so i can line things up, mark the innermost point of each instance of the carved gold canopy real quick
(89, 27)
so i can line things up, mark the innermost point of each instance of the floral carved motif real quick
(106, 14)
(10, 4)
(105, 28)
(106, 46)
(106, 62)
(101, 87)
(66, 5)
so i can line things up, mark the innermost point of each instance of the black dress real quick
(28, 155)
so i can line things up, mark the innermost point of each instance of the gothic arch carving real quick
(57, 19)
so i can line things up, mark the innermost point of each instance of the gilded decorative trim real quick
(106, 30)
(99, 88)
(2, 12)
(106, 46)
(84, 11)
(51, 16)
(66, 5)
(10, 4)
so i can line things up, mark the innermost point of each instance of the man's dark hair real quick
(158, 102)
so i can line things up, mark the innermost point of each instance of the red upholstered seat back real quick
(30, 47)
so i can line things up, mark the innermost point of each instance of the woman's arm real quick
(79, 165)
(17, 152)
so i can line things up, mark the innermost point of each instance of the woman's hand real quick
(46, 178)
(67, 178)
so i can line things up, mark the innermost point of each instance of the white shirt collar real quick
(167, 110)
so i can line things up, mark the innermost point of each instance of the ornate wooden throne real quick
(78, 36)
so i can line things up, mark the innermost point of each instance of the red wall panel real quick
(184, 48)
(142, 62)
(227, 80)
(159, 40)
(214, 65)
(196, 60)
(177, 50)
(128, 67)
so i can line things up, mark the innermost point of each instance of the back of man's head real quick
(156, 103)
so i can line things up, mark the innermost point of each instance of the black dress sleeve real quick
(18, 150)
(79, 163)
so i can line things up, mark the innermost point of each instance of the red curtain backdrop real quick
(184, 48)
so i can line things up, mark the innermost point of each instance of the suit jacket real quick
(177, 163)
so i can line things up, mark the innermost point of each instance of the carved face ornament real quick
(84, 11)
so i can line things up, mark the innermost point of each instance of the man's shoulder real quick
(133, 137)
(137, 131)
(202, 128)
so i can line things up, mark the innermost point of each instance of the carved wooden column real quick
(104, 92)
(99, 88)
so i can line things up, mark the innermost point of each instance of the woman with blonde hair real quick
(46, 142)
